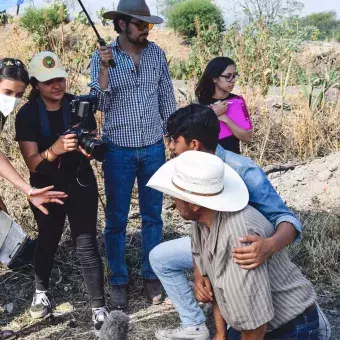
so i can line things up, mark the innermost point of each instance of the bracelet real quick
(54, 154)
(41, 155)
(30, 192)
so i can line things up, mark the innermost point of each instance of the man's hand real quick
(255, 254)
(105, 55)
(203, 289)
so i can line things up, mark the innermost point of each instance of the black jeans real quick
(81, 209)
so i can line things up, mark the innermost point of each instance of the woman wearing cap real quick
(53, 155)
(13, 83)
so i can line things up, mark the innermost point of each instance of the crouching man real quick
(272, 301)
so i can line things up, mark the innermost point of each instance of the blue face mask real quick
(8, 104)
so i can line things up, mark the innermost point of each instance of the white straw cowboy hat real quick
(203, 179)
(134, 8)
(45, 66)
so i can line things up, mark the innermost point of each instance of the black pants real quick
(81, 209)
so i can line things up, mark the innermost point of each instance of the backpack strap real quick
(45, 124)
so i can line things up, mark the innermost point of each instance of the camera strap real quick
(45, 123)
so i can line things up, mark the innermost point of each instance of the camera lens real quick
(94, 146)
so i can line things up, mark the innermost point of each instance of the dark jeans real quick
(304, 327)
(121, 167)
(81, 208)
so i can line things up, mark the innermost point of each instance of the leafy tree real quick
(270, 11)
(81, 18)
(40, 22)
(182, 17)
(326, 22)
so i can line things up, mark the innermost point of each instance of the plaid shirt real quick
(137, 102)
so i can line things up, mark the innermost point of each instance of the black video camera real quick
(83, 110)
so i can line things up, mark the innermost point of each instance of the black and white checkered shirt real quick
(137, 102)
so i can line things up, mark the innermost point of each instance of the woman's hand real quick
(224, 119)
(64, 144)
(87, 155)
(220, 107)
(38, 197)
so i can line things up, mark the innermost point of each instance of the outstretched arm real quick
(37, 197)
(8, 172)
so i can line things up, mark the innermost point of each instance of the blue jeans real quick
(303, 327)
(121, 167)
(169, 260)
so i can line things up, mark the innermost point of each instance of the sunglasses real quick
(142, 25)
(230, 76)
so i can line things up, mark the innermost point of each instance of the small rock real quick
(291, 182)
(334, 312)
(333, 167)
(324, 175)
(9, 308)
(72, 323)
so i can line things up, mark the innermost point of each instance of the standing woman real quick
(53, 156)
(13, 82)
(215, 89)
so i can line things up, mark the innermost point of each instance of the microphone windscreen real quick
(115, 326)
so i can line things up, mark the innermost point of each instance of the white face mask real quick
(8, 104)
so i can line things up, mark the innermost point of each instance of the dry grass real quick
(295, 133)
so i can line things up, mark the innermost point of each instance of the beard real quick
(139, 41)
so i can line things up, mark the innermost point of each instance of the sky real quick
(310, 5)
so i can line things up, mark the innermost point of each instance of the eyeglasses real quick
(229, 77)
(142, 25)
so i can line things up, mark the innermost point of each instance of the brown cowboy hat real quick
(134, 8)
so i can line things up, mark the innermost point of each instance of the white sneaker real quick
(98, 317)
(199, 332)
(41, 305)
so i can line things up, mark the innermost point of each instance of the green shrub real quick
(41, 22)
(181, 17)
(81, 18)
(204, 47)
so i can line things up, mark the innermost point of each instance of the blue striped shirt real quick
(137, 102)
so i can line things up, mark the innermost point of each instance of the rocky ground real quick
(313, 185)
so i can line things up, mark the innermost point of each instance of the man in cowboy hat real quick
(273, 301)
(137, 98)
(196, 127)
